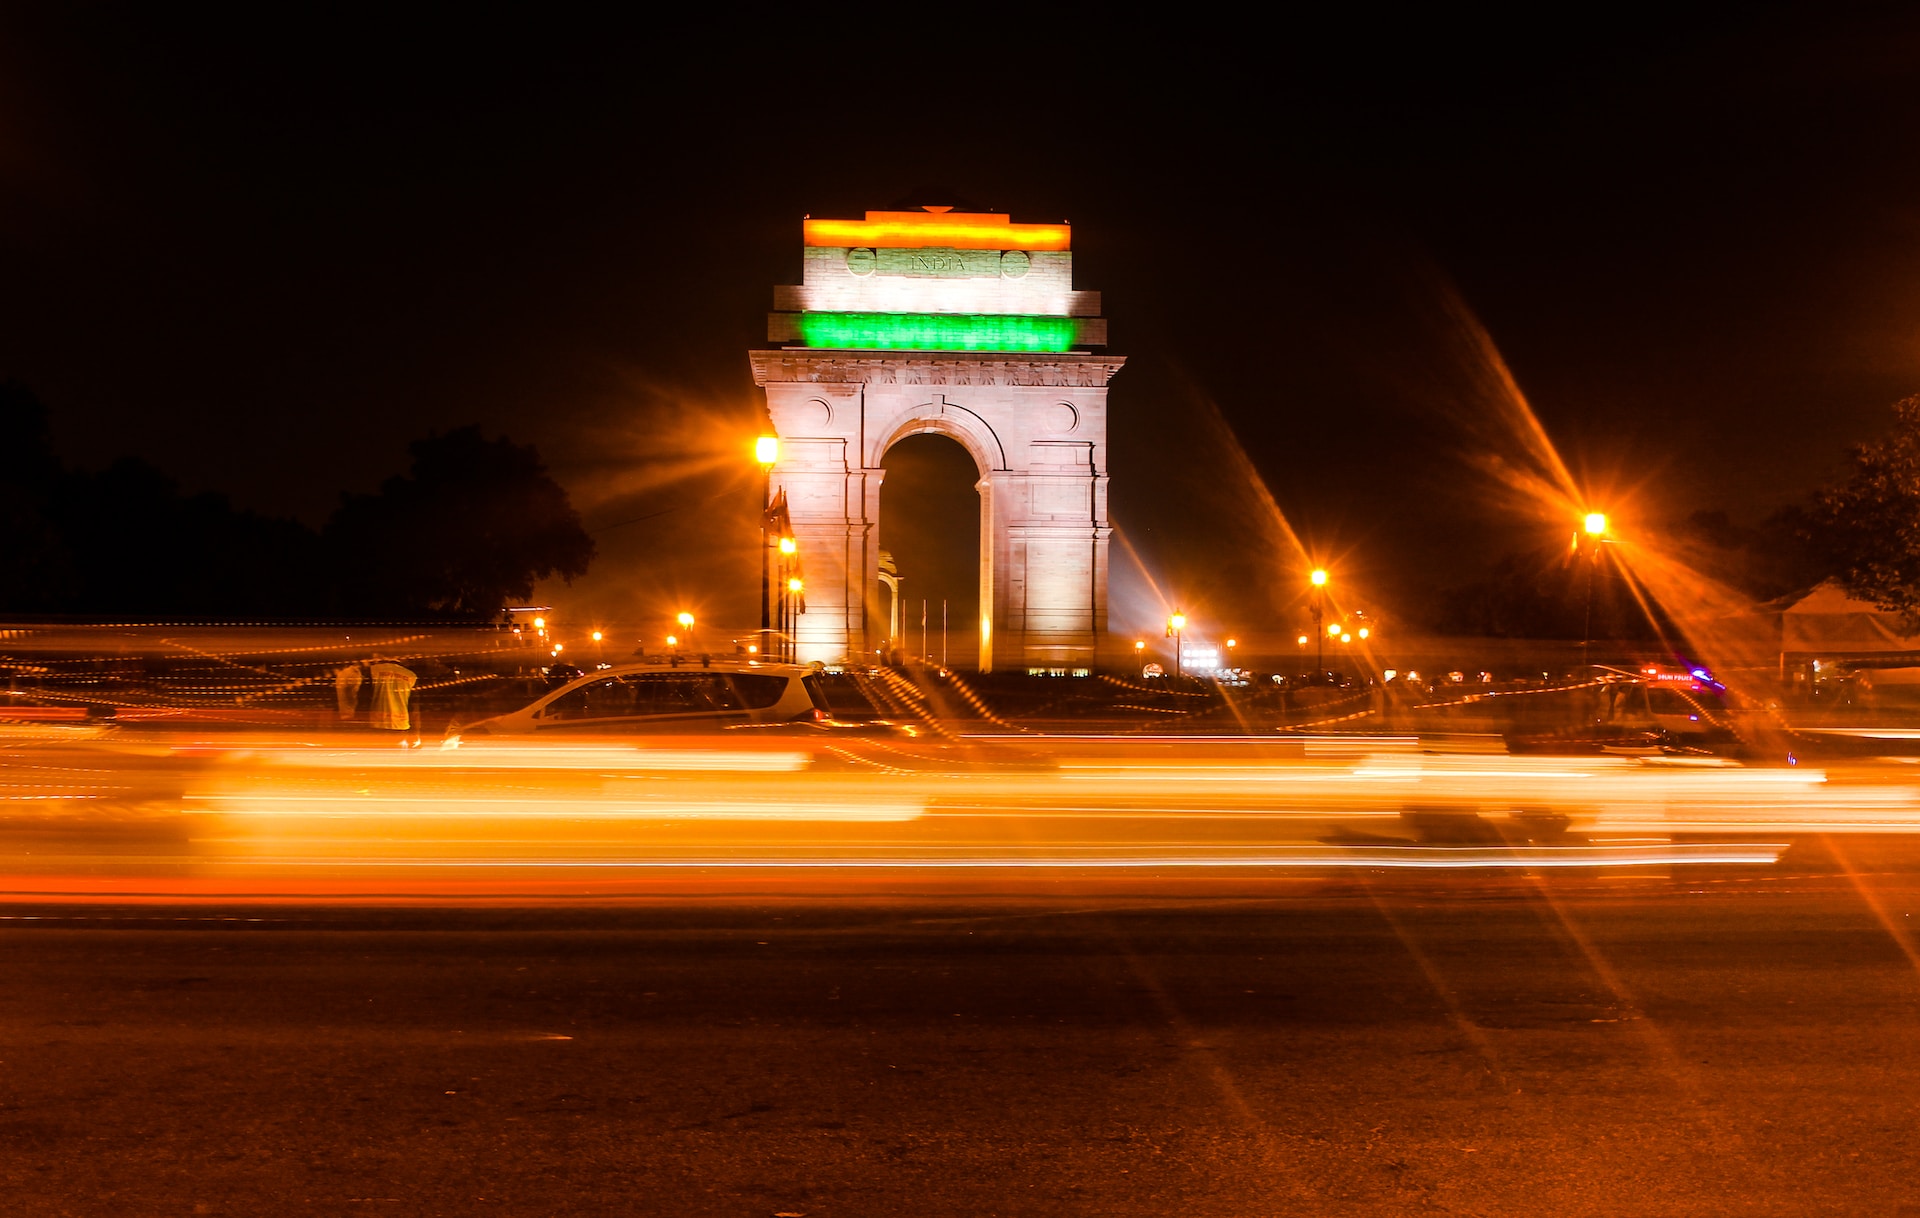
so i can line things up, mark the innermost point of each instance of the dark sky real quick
(266, 252)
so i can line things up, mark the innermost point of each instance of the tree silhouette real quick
(1868, 527)
(33, 559)
(473, 526)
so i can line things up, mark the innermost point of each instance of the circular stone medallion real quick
(1015, 263)
(1061, 418)
(861, 261)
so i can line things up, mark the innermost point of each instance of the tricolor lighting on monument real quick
(937, 280)
(937, 332)
(962, 325)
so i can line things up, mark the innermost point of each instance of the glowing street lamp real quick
(1176, 624)
(686, 620)
(1318, 579)
(766, 451)
(1364, 632)
(597, 636)
(788, 546)
(1594, 525)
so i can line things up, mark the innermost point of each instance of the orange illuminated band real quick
(946, 230)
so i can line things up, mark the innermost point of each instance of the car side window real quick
(681, 693)
(594, 700)
(759, 690)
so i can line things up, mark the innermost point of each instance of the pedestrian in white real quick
(392, 688)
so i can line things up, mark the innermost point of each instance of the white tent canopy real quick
(1828, 622)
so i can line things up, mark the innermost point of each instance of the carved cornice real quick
(808, 366)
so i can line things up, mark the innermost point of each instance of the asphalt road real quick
(1710, 1041)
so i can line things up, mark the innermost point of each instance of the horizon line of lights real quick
(938, 331)
(919, 230)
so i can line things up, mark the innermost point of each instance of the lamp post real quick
(766, 451)
(1594, 527)
(1176, 624)
(788, 548)
(795, 605)
(1319, 581)
(1139, 651)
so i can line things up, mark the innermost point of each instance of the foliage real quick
(137, 546)
(473, 526)
(32, 558)
(1868, 527)
(1542, 593)
(1768, 561)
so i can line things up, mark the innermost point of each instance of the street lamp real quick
(1595, 528)
(1176, 624)
(783, 617)
(1319, 608)
(766, 451)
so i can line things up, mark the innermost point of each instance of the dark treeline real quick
(470, 528)
(1542, 592)
(1861, 531)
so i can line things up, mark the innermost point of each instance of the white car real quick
(656, 697)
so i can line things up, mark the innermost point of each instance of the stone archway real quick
(1036, 428)
(964, 432)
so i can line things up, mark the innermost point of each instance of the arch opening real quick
(930, 510)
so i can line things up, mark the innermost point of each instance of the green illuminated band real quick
(940, 331)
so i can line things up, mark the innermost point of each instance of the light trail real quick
(1423, 858)
(236, 811)
(398, 810)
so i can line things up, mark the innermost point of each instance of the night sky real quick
(266, 252)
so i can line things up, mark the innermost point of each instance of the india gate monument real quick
(967, 325)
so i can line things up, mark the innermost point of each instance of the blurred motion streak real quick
(242, 813)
